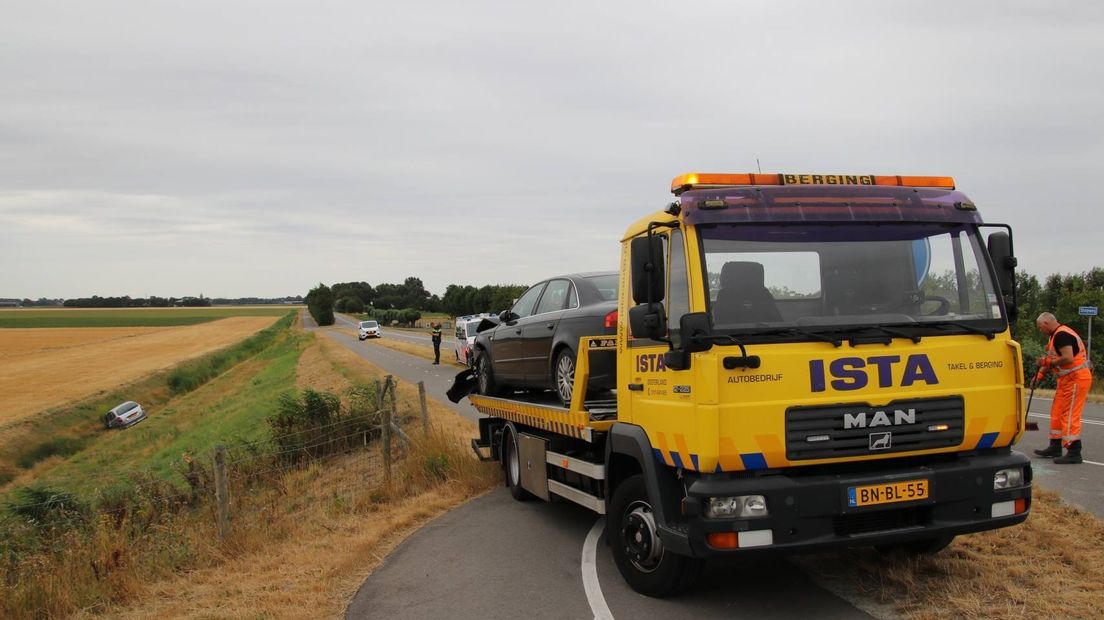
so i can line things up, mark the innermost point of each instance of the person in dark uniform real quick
(436, 334)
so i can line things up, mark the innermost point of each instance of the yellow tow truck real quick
(804, 361)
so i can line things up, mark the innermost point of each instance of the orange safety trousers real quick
(1069, 400)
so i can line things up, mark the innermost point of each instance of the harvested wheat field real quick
(42, 368)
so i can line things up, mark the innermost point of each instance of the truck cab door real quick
(661, 399)
(506, 340)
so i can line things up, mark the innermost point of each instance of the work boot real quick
(1073, 454)
(1051, 451)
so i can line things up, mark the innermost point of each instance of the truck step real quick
(478, 449)
(583, 499)
(594, 471)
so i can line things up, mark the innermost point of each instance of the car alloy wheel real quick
(565, 375)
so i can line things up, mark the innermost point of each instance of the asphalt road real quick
(1081, 485)
(457, 566)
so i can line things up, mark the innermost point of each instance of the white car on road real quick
(368, 329)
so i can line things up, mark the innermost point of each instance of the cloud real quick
(256, 148)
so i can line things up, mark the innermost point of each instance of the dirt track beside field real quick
(42, 368)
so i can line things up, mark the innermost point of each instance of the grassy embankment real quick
(129, 317)
(145, 545)
(32, 449)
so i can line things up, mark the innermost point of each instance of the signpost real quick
(1090, 312)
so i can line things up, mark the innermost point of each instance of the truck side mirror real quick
(1000, 251)
(695, 330)
(646, 257)
(648, 321)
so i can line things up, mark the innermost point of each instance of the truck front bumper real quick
(809, 512)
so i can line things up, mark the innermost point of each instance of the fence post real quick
(394, 408)
(222, 497)
(386, 441)
(425, 410)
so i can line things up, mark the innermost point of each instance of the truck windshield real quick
(927, 278)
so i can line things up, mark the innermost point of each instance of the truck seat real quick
(742, 297)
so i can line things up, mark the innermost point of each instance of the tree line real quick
(404, 303)
(1061, 295)
(126, 301)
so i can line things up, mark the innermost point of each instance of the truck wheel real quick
(638, 552)
(925, 546)
(563, 375)
(485, 375)
(511, 463)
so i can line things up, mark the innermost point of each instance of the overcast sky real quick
(238, 148)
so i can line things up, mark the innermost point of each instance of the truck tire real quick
(645, 565)
(484, 374)
(926, 546)
(563, 375)
(511, 465)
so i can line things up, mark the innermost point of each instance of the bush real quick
(313, 424)
(47, 507)
(54, 446)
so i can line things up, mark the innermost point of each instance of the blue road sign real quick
(1087, 310)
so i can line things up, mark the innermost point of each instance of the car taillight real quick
(611, 319)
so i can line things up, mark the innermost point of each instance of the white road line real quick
(590, 574)
(1083, 420)
(1093, 463)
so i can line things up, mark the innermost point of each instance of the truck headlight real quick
(1008, 478)
(742, 506)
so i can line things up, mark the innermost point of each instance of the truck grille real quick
(859, 429)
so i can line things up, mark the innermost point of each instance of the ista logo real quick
(650, 362)
(853, 373)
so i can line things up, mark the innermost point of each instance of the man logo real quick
(881, 441)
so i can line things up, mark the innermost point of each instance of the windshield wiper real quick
(963, 326)
(796, 331)
(896, 333)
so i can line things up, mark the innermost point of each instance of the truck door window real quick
(954, 275)
(678, 288)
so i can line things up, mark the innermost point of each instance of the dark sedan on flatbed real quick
(534, 345)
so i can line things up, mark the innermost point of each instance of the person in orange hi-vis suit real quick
(1067, 358)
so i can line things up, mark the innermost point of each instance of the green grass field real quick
(232, 406)
(129, 317)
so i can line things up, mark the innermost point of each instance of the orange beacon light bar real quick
(700, 180)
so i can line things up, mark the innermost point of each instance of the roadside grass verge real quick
(304, 533)
(129, 317)
(30, 448)
(1051, 566)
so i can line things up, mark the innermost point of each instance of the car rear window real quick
(606, 285)
(125, 407)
